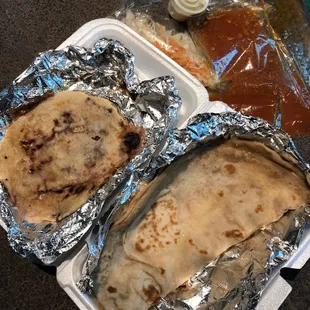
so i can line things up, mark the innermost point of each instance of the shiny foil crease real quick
(106, 70)
(236, 279)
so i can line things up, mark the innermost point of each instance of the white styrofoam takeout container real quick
(70, 272)
(276, 291)
(151, 63)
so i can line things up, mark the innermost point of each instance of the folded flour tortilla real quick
(200, 206)
(55, 157)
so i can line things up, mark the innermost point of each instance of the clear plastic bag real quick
(258, 75)
(151, 20)
(251, 54)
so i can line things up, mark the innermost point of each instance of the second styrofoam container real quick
(276, 291)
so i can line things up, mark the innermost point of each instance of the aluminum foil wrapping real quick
(236, 279)
(106, 70)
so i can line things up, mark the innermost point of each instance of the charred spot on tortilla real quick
(259, 208)
(67, 117)
(132, 140)
(112, 289)
(151, 293)
(53, 158)
(203, 252)
(96, 138)
(235, 233)
(230, 168)
(139, 247)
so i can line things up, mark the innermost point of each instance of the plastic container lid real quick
(181, 10)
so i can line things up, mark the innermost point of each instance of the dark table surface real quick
(26, 28)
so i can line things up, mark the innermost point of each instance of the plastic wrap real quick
(151, 20)
(261, 58)
(250, 54)
(290, 22)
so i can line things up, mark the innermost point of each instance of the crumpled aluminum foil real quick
(236, 279)
(106, 70)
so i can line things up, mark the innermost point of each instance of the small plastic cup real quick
(181, 10)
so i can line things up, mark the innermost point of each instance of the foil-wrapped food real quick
(194, 211)
(74, 126)
(238, 178)
(48, 185)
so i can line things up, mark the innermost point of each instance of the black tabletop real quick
(26, 28)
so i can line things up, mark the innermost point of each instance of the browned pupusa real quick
(200, 206)
(55, 157)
